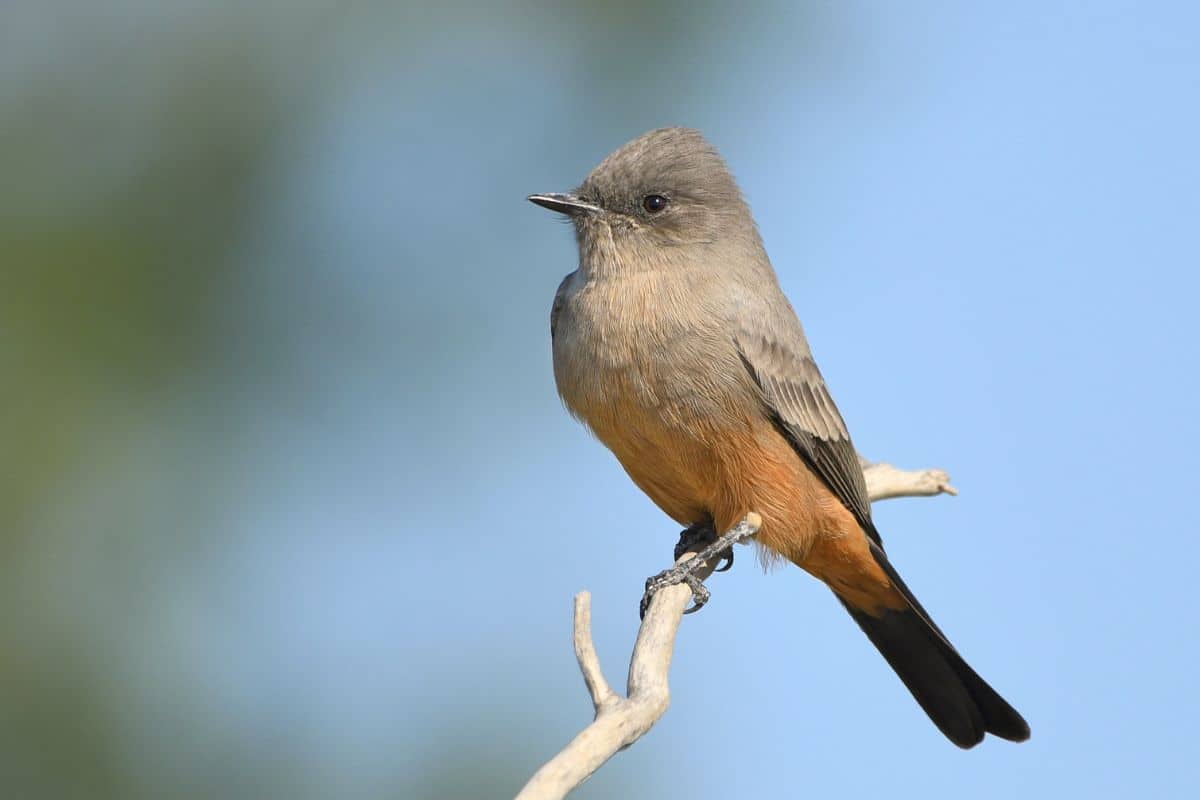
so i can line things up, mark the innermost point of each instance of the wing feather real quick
(798, 398)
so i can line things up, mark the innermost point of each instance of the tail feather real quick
(962, 705)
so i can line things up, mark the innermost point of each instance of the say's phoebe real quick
(674, 343)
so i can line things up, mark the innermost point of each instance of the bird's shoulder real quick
(771, 342)
(565, 289)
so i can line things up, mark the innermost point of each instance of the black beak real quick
(569, 204)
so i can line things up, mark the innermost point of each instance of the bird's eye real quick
(654, 203)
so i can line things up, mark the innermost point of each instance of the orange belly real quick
(696, 471)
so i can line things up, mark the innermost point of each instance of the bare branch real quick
(621, 721)
(885, 482)
(585, 653)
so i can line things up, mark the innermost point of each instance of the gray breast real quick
(639, 342)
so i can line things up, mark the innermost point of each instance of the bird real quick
(675, 345)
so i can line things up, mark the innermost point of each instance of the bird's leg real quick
(717, 547)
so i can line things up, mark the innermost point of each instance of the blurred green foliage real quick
(113, 255)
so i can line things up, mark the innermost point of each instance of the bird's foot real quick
(670, 577)
(694, 537)
(717, 547)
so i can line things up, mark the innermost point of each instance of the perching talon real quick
(721, 547)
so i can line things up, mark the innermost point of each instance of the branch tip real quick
(585, 653)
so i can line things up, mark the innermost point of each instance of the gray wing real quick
(560, 297)
(803, 409)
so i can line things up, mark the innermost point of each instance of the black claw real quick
(689, 541)
(700, 594)
(726, 561)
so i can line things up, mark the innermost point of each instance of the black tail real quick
(958, 701)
